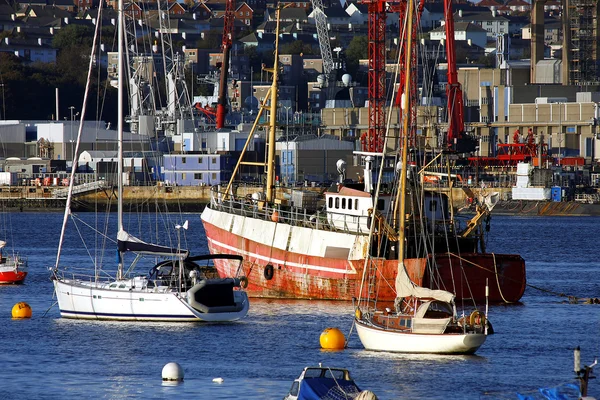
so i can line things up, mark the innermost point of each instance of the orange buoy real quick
(332, 339)
(21, 310)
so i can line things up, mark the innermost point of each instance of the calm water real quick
(258, 358)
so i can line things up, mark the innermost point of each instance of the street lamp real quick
(71, 135)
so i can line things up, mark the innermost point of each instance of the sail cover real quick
(406, 288)
(127, 242)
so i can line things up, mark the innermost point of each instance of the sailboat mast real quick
(405, 120)
(273, 119)
(120, 131)
(120, 118)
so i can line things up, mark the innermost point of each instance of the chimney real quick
(460, 13)
(493, 12)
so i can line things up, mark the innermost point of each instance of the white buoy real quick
(172, 372)
(218, 380)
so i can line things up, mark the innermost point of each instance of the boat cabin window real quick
(294, 389)
(344, 203)
(356, 204)
(337, 202)
(330, 205)
(122, 286)
(349, 204)
(325, 373)
(113, 285)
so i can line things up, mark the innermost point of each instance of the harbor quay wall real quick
(194, 199)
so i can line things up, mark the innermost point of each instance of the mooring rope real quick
(498, 279)
(572, 299)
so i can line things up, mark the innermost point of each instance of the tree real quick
(358, 49)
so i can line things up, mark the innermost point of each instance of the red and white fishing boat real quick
(13, 268)
(304, 244)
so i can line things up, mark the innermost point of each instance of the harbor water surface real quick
(48, 357)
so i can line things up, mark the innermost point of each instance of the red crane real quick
(373, 141)
(457, 139)
(456, 122)
(228, 19)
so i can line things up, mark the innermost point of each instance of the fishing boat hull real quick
(12, 276)
(86, 300)
(12, 270)
(294, 262)
(504, 274)
(379, 339)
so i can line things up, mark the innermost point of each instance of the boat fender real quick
(269, 271)
(477, 318)
(244, 282)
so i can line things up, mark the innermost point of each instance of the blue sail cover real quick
(319, 388)
(127, 242)
(568, 391)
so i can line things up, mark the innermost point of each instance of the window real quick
(330, 205)
(214, 175)
(199, 160)
(183, 176)
(198, 175)
(349, 204)
(337, 202)
(213, 160)
(183, 160)
(356, 204)
(344, 203)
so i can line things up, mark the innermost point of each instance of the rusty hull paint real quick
(298, 276)
(504, 273)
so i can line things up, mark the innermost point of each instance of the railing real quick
(78, 189)
(294, 216)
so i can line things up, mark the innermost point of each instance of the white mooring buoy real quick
(172, 372)
(218, 380)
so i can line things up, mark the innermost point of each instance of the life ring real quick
(244, 282)
(269, 271)
(477, 318)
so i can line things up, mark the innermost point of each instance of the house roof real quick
(489, 3)
(462, 27)
(477, 16)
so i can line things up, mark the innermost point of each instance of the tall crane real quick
(373, 141)
(457, 139)
(329, 69)
(226, 43)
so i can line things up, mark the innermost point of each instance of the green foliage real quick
(358, 49)
(73, 36)
(296, 47)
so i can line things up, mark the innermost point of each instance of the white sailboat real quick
(422, 320)
(179, 287)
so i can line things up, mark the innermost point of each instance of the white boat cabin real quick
(348, 209)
